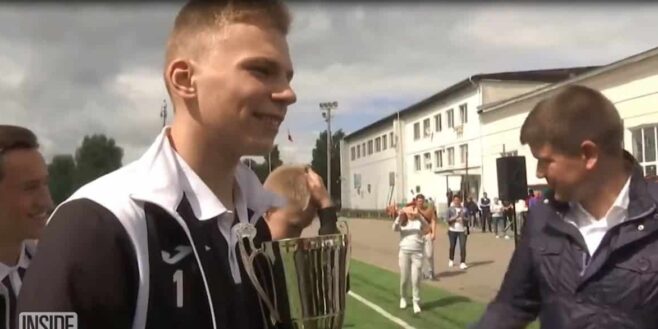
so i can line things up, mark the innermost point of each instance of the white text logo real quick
(48, 320)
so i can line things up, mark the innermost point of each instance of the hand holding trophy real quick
(302, 282)
(307, 277)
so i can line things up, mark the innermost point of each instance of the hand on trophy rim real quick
(320, 198)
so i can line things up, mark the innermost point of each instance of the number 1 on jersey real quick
(178, 280)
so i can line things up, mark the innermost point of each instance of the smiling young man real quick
(150, 245)
(588, 258)
(24, 205)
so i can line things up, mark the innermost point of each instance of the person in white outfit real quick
(457, 222)
(498, 215)
(411, 225)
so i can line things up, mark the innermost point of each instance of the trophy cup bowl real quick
(301, 281)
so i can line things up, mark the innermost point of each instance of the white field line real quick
(381, 311)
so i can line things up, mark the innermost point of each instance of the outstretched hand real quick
(319, 196)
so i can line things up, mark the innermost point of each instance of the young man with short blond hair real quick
(150, 245)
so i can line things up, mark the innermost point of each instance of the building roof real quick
(592, 73)
(549, 75)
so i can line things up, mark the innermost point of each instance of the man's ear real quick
(180, 78)
(590, 153)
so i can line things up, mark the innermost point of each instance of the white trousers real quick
(410, 270)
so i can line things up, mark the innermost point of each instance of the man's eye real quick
(261, 70)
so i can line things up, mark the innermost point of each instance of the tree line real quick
(98, 155)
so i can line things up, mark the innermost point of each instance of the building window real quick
(370, 147)
(439, 158)
(394, 143)
(426, 128)
(637, 144)
(644, 148)
(428, 160)
(378, 144)
(451, 156)
(357, 181)
(463, 150)
(437, 122)
(384, 146)
(463, 113)
(649, 139)
(416, 130)
(451, 118)
(353, 151)
(363, 149)
(417, 162)
(358, 151)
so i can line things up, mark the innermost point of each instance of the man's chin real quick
(258, 149)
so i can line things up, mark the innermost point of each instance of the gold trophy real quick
(301, 281)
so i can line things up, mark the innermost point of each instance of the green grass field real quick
(441, 310)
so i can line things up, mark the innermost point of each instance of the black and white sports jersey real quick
(11, 280)
(147, 247)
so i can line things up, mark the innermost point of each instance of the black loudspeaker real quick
(512, 179)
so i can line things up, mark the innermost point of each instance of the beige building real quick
(433, 145)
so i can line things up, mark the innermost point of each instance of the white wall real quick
(498, 90)
(373, 169)
(432, 184)
(633, 88)
(485, 134)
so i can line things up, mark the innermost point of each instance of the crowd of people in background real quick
(417, 223)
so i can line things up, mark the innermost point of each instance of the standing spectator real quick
(449, 196)
(507, 217)
(521, 215)
(497, 210)
(485, 209)
(472, 209)
(428, 212)
(457, 230)
(537, 198)
(411, 225)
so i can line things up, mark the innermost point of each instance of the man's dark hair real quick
(570, 117)
(14, 138)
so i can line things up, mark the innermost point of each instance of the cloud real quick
(71, 70)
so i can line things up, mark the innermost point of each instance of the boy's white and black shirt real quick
(149, 246)
(11, 280)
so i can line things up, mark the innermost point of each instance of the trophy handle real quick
(345, 229)
(248, 231)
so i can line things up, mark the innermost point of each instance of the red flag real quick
(289, 136)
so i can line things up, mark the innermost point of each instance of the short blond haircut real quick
(289, 181)
(191, 35)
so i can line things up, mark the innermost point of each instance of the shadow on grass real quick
(446, 301)
(457, 271)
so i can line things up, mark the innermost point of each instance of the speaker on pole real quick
(512, 179)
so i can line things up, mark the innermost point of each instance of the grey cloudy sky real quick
(71, 70)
